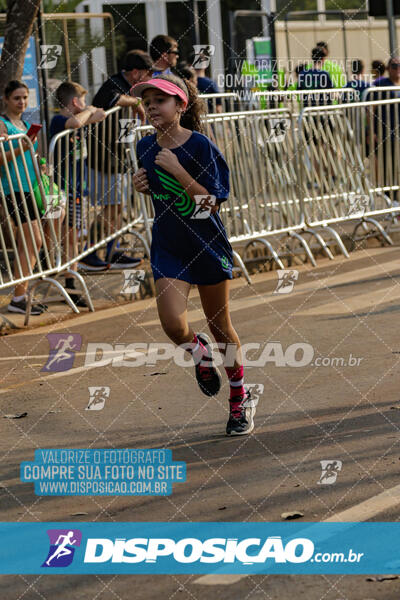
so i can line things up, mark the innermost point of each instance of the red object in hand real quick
(33, 130)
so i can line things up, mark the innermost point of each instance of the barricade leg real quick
(60, 289)
(338, 240)
(305, 246)
(321, 242)
(143, 240)
(82, 282)
(266, 243)
(379, 231)
(135, 234)
(242, 266)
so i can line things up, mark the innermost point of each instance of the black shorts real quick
(30, 204)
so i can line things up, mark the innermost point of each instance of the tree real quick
(20, 18)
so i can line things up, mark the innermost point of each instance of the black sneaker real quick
(241, 415)
(20, 307)
(92, 262)
(78, 300)
(120, 260)
(208, 377)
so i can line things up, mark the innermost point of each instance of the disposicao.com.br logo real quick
(199, 547)
(191, 550)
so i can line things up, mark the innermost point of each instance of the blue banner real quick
(217, 548)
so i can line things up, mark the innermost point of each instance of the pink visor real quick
(160, 84)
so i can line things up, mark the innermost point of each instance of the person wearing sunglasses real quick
(164, 53)
(393, 78)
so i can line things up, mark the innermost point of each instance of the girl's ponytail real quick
(196, 108)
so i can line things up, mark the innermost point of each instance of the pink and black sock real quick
(236, 380)
(198, 350)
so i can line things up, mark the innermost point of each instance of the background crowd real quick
(320, 73)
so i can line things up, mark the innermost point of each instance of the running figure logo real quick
(53, 207)
(133, 279)
(256, 389)
(279, 128)
(126, 133)
(358, 204)
(62, 547)
(203, 55)
(204, 206)
(98, 396)
(62, 351)
(287, 279)
(330, 470)
(50, 56)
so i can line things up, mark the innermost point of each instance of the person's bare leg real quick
(70, 248)
(26, 258)
(172, 295)
(215, 302)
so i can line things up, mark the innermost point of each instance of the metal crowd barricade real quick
(265, 199)
(293, 100)
(261, 150)
(380, 92)
(297, 100)
(29, 247)
(143, 202)
(291, 177)
(222, 102)
(345, 172)
(92, 166)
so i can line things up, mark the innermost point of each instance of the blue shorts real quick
(207, 266)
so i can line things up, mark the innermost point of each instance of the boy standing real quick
(71, 158)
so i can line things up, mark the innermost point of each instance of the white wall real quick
(366, 39)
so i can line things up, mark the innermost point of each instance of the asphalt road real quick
(343, 405)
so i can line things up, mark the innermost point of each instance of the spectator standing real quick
(74, 114)
(164, 53)
(315, 78)
(378, 69)
(332, 67)
(115, 91)
(392, 81)
(357, 82)
(16, 101)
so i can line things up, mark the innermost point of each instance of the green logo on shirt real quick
(185, 205)
(225, 263)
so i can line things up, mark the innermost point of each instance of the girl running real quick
(179, 166)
